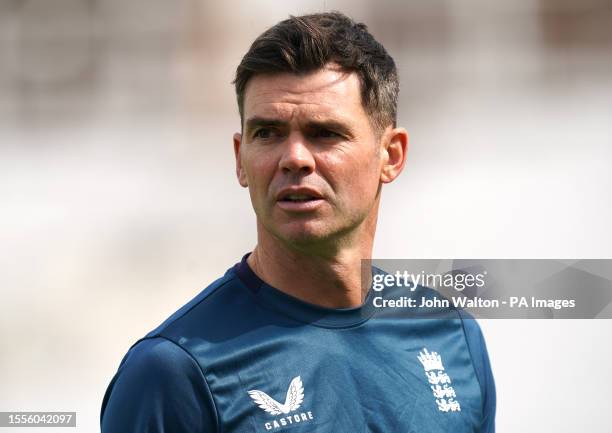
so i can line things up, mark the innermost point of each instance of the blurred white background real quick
(118, 201)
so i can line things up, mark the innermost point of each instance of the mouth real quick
(301, 200)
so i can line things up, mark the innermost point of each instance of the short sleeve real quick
(159, 388)
(482, 366)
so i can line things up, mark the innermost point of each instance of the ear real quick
(395, 146)
(240, 173)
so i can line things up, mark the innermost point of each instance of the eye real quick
(263, 133)
(326, 133)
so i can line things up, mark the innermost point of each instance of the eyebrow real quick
(330, 124)
(255, 122)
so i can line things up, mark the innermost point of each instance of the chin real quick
(303, 233)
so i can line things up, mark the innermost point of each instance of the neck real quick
(332, 279)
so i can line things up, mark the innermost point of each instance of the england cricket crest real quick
(439, 381)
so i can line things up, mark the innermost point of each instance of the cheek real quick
(258, 167)
(358, 165)
(353, 179)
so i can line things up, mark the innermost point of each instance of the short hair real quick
(306, 43)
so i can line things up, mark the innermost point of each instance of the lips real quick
(298, 195)
(299, 199)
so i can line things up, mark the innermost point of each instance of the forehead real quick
(327, 92)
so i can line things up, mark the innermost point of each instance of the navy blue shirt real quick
(243, 356)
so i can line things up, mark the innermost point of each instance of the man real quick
(288, 339)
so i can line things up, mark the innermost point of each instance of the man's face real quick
(309, 155)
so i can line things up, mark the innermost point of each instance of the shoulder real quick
(209, 299)
(482, 367)
(159, 385)
(476, 342)
(137, 397)
(157, 358)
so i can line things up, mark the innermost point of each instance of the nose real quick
(296, 157)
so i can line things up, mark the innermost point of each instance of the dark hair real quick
(307, 43)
